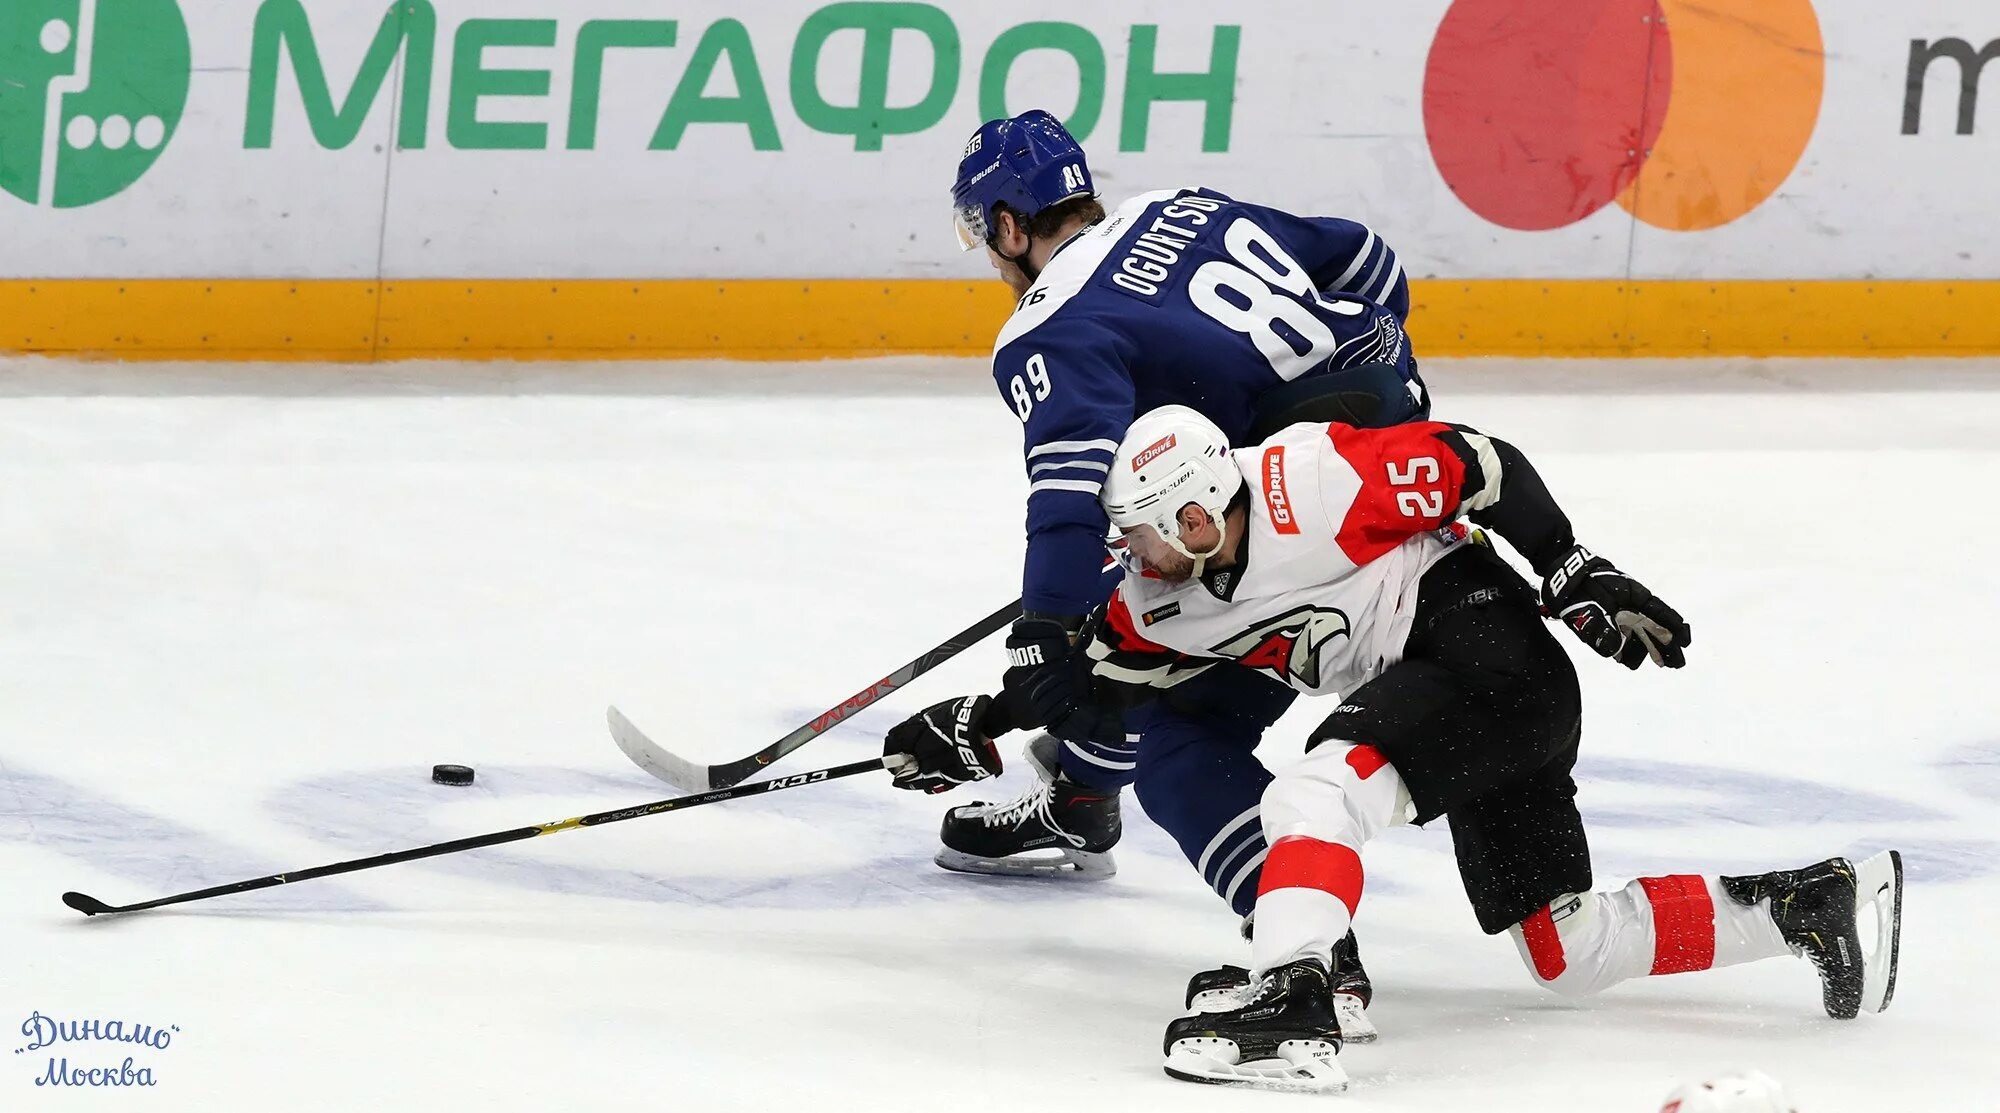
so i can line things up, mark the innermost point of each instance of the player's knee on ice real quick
(1581, 945)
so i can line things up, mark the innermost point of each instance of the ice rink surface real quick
(243, 610)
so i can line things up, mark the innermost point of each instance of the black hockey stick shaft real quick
(91, 906)
(732, 772)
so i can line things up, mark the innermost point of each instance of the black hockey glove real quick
(1041, 682)
(1613, 613)
(1049, 685)
(945, 745)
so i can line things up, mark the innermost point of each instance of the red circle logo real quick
(1687, 113)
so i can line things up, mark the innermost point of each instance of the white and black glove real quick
(945, 745)
(1613, 613)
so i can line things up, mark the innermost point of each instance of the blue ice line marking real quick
(143, 847)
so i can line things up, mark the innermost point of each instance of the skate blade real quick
(1878, 885)
(1078, 865)
(1302, 1066)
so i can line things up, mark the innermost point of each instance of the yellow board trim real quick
(838, 318)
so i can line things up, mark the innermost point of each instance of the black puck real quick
(452, 774)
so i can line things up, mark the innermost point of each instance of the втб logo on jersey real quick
(1290, 644)
(90, 93)
(1688, 113)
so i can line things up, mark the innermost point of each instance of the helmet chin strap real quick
(1200, 559)
(1028, 268)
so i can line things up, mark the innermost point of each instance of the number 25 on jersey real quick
(1422, 472)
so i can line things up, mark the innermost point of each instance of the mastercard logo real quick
(1687, 113)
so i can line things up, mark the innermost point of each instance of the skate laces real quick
(1037, 802)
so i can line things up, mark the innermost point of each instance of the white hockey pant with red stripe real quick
(1581, 944)
(1320, 812)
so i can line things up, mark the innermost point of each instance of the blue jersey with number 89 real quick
(1180, 296)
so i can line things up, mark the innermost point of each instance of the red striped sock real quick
(1298, 862)
(1683, 923)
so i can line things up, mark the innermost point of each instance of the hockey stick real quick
(91, 906)
(689, 777)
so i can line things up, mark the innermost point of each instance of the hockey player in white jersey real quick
(1330, 558)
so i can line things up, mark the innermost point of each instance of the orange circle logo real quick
(1687, 113)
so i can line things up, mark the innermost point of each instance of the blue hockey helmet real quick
(1029, 162)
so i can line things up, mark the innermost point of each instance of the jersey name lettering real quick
(1147, 266)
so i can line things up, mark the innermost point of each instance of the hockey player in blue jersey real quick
(1255, 318)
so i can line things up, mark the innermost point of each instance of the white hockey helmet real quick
(1170, 457)
(1746, 1091)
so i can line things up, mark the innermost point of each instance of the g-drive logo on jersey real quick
(90, 93)
(1687, 113)
(1275, 497)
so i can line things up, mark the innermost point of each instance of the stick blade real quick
(88, 905)
(647, 755)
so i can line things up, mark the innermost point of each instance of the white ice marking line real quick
(76, 82)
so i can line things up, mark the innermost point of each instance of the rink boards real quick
(358, 180)
(791, 319)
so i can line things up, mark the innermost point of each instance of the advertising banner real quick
(456, 155)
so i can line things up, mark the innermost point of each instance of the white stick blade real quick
(647, 755)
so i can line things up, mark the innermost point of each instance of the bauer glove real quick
(1613, 613)
(945, 746)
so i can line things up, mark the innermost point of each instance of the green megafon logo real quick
(90, 92)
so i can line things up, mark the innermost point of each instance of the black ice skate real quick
(1820, 909)
(1286, 1036)
(1080, 825)
(1227, 987)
